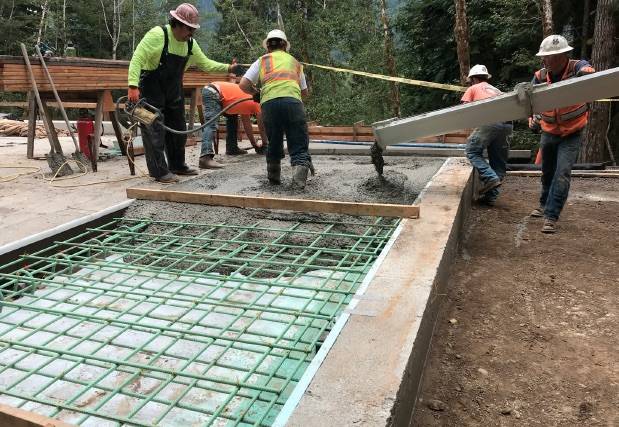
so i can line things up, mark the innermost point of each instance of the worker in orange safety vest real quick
(562, 129)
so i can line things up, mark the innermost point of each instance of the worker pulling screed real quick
(215, 97)
(156, 74)
(282, 83)
(493, 137)
(562, 130)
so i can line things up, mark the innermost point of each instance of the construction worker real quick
(156, 74)
(493, 137)
(215, 97)
(282, 84)
(70, 50)
(562, 130)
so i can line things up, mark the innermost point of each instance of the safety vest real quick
(567, 120)
(280, 76)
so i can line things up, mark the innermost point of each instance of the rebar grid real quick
(142, 322)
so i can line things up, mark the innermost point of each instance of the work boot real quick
(489, 185)
(550, 226)
(235, 152)
(299, 176)
(537, 212)
(274, 171)
(260, 150)
(186, 171)
(208, 162)
(168, 178)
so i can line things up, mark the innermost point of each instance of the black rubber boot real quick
(299, 176)
(274, 172)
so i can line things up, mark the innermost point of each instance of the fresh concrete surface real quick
(372, 374)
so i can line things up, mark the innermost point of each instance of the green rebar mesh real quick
(142, 322)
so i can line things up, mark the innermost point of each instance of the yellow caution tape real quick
(392, 79)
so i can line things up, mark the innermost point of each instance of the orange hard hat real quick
(187, 14)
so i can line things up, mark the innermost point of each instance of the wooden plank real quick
(32, 125)
(300, 205)
(575, 174)
(15, 417)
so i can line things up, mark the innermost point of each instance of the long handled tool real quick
(55, 158)
(77, 155)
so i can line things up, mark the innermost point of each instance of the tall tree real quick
(547, 27)
(116, 23)
(585, 28)
(603, 58)
(390, 58)
(461, 31)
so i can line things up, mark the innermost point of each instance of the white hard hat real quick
(479, 70)
(553, 45)
(276, 34)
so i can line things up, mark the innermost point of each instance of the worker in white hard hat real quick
(156, 74)
(493, 137)
(282, 85)
(562, 129)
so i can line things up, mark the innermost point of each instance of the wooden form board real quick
(575, 174)
(300, 205)
(81, 74)
(15, 417)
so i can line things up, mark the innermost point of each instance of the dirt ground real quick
(527, 334)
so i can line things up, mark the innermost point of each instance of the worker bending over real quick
(493, 137)
(217, 96)
(562, 130)
(156, 74)
(282, 83)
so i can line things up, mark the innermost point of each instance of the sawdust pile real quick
(17, 128)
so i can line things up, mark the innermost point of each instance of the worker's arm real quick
(249, 129)
(582, 68)
(199, 59)
(250, 79)
(146, 55)
(303, 85)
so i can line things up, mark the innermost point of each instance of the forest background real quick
(432, 40)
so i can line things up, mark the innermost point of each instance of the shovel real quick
(77, 155)
(55, 159)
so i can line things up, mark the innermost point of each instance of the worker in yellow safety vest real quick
(562, 129)
(282, 83)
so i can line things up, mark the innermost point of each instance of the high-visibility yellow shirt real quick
(148, 53)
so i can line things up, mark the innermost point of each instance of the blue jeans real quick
(286, 116)
(211, 106)
(558, 156)
(495, 138)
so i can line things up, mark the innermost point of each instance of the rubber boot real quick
(299, 176)
(208, 162)
(274, 172)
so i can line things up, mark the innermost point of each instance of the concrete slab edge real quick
(374, 370)
(34, 238)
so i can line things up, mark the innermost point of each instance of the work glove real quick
(256, 97)
(534, 123)
(133, 94)
(237, 69)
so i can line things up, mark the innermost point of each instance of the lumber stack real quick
(357, 133)
(81, 74)
(17, 128)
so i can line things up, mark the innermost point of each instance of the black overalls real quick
(163, 88)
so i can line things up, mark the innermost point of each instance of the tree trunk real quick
(389, 58)
(585, 28)
(547, 17)
(42, 23)
(597, 147)
(461, 31)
